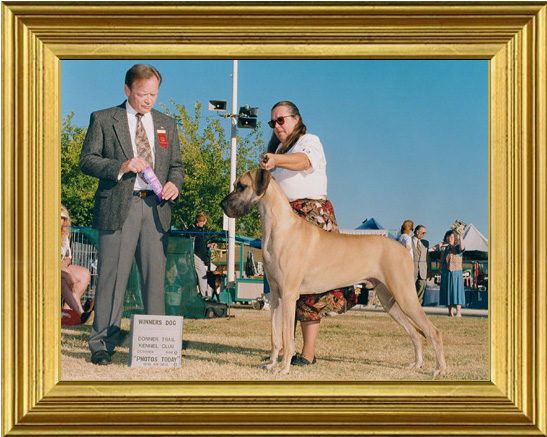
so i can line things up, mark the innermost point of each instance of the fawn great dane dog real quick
(300, 258)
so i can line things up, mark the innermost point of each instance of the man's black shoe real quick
(101, 358)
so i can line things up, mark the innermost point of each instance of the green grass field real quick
(361, 345)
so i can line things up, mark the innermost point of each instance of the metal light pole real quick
(231, 221)
(247, 118)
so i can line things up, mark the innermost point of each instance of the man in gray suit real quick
(421, 260)
(121, 142)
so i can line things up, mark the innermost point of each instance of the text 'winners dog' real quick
(292, 250)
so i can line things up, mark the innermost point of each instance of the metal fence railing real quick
(84, 254)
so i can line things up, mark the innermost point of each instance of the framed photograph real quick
(36, 36)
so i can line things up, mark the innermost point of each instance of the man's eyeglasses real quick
(279, 120)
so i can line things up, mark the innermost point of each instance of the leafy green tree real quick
(77, 189)
(206, 158)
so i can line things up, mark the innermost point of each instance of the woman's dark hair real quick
(141, 71)
(201, 216)
(447, 234)
(298, 131)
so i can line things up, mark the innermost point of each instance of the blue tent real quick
(373, 224)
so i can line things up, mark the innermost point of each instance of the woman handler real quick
(298, 164)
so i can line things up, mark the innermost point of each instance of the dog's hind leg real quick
(410, 305)
(433, 334)
(394, 310)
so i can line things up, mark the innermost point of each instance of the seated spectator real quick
(74, 279)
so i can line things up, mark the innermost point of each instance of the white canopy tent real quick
(474, 240)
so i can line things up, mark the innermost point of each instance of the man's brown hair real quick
(141, 71)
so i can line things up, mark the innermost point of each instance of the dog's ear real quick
(262, 181)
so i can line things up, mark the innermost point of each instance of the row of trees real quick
(206, 157)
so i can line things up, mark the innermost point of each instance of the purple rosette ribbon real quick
(153, 180)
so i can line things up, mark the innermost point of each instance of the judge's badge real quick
(162, 135)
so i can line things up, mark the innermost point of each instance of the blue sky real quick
(404, 139)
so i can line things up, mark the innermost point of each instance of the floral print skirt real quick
(315, 306)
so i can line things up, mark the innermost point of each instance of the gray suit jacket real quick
(420, 262)
(107, 145)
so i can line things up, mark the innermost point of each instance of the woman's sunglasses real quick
(279, 120)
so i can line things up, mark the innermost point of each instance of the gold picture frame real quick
(37, 35)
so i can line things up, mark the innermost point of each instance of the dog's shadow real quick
(188, 345)
(375, 363)
(219, 350)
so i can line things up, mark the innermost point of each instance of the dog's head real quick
(248, 190)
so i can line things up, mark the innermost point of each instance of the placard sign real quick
(156, 341)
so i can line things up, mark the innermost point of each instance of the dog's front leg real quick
(276, 331)
(289, 311)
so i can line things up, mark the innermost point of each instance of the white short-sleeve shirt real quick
(305, 184)
(406, 240)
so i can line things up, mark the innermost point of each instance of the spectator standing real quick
(202, 259)
(420, 251)
(452, 292)
(404, 238)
